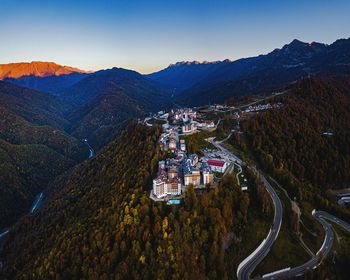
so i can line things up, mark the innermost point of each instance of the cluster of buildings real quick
(190, 121)
(206, 125)
(168, 181)
(183, 115)
(186, 117)
(189, 128)
(221, 107)
(262, 107)
(196, 173)
(180, 170)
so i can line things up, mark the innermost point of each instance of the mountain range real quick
(201, 83)
(185, 74)
(35, 68)
(55, 107)
(43, 76)
(194, 83)
(51, 115)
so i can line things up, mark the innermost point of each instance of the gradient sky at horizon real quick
(149, 35)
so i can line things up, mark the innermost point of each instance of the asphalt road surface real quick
(247, 266)
(322, 217)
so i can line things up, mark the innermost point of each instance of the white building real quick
(159, 187)
(217, 165)
(207, 174)
(166, 183)
(191, 175)
(207, 177)
(163, 186)
(182, 145)
(173, 186)
(185, 117)
(194, 178)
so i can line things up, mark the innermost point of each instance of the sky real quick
(148, 35)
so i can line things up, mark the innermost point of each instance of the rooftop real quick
(216, 162)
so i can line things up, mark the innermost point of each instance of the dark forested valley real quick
(41, 133)
(34, 147)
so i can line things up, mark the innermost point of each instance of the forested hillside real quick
(48, 84)
(34, 106)
(305, 144)
(310, 135)
(101, 224)
(25, 171)
(34, 148)
(96, 107)
(16, 130)
(106, 99)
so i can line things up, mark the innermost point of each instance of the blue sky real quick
(149, 35)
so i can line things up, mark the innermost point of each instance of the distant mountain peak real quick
(184, 63)
(300, 44)
(297, 42)
(35, 68)
(195, 62)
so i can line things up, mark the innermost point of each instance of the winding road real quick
(247, 266)
(322, 217)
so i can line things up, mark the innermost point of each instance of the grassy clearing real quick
(254, 233)
(196, 142)
(156, 121)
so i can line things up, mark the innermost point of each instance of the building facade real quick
(167, 181)
(217, 165)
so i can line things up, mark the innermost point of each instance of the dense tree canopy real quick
(100, 223)
(34, 148)
(293, 137)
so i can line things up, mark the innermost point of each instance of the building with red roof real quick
(217, 165)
